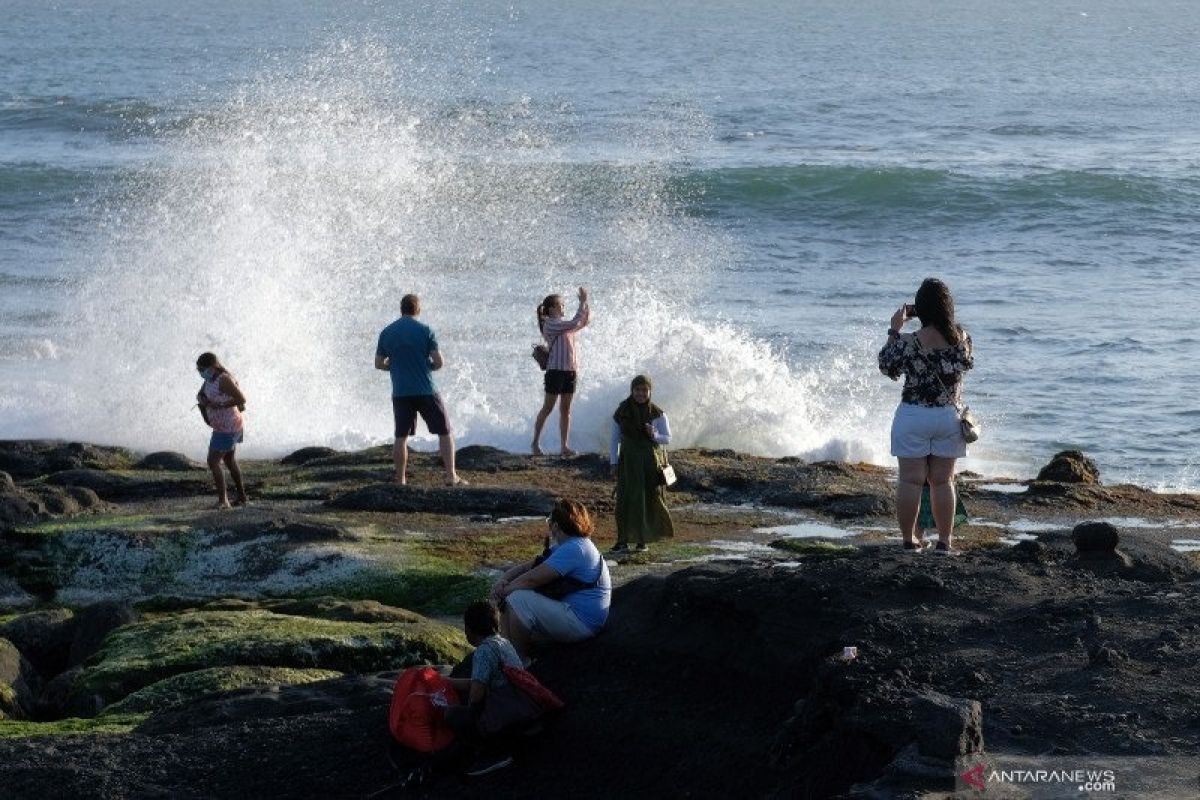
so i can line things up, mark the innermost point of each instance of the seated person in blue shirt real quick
(564, 594)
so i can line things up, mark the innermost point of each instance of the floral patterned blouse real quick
(932, 377)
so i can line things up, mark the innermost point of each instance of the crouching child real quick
(503, 701)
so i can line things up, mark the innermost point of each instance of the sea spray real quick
(281, 229)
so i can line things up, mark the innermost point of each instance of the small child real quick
(493, 703)
(222, 403)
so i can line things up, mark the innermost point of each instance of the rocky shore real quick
(151, 646)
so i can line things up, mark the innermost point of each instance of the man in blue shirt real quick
(409, 351)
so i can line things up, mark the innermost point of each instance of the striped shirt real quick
(560, 338)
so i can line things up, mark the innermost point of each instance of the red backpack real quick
(416, 717)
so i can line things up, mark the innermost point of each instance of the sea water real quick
(749, 189)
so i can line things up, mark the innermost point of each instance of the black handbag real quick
(563, 585)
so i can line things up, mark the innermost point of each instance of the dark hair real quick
(935, 307)
(410, 305)
(641, 380)
(543, 310)
(572, 518)
(481, 619)
(207, 360)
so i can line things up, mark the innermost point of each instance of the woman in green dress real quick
(636, 455)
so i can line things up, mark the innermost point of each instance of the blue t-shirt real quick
(578, 558)
(408, 344)
(491, 657)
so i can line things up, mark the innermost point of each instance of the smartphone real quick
(910, 310)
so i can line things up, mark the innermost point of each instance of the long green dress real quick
(642, 515)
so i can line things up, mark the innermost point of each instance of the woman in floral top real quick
(926, 435)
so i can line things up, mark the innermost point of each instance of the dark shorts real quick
(560, 381)
(429, 406)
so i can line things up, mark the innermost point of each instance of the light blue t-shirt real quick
(408, 344)
(491, 657)
(578, 558)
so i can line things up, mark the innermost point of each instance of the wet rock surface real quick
(167, 461)
(448, 500)
(1040, 648)
(31, 458)
(1070, 466)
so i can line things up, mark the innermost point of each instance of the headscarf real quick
(631, 416)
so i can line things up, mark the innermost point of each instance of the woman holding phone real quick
(561, 366)
(926, 433)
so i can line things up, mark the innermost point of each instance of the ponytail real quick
(543, 310)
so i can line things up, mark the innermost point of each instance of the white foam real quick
(1005, 488)
(808, 530)
(281, 230)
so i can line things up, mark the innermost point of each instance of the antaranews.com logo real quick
(980, 777)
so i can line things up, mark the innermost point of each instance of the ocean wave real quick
(851, 192)
(112, 115)
(29, 184)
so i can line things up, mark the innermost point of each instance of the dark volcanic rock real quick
(947, 727)
(381, 454)
(1095, 538)
(336, 608)
(111, 486)
(17, 508)
(254, 703)
(55, 700)
(922, 582)
(6, 483)
(18, 683)
(167, 461)
(1070, 466)
(481, 458)
(94, 623)
(31, 458)
(43, 637)
(860, 505)
(448, 500)
(62, 500)
(250, 523)
(306, 454)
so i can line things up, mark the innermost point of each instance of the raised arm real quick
(582, 317)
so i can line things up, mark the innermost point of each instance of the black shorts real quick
(429, 406)
(560, 381)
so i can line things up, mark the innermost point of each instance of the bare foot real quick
(568, 453)
(536, 449)
(223, 504)
(401, 480)
(242, 501)
(458, 481)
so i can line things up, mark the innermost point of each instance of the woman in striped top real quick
(559, 334)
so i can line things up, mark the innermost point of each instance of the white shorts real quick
(547, 619)
(919, 431)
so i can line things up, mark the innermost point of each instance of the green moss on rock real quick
(19, 729)
(430, 591)
(180, 689)
(138, 655)
(813, 547)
